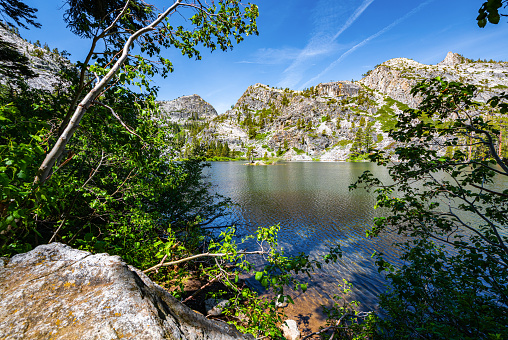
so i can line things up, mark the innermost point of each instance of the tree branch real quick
(58, 148)
(199, 256)
(118, 118)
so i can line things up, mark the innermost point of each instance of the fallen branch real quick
(332, 326)
(259, 252)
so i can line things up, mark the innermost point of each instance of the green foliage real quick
(104, 193)
(277, 275)
(344, 319)
(37, 52)
(298, 151)
(386, 115)
(363, 141)
(490, 12)
(261, 136)
(453, 280)
(343, 143)
(19, 12)
(310, 92)
(366, 74)
(285, 101)
(325, 118)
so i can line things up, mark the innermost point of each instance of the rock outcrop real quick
(45, 64)
(56, 292)
(390, 81)
(321, 122)
(330, 121)
(338, 89)
(396, 77)
(186, 107)
(453, 59)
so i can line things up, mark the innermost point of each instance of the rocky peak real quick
(452, 59)
(338, 89)
(186, 107)
(258, 97)
(389, 80)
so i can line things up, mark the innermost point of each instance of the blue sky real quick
(302, 43)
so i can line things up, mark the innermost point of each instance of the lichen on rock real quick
(56, 292)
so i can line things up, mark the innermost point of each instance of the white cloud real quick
(272, 56)
(327, 15)
(365, 41)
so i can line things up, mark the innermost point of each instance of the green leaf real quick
(258, 276)
(21, 174)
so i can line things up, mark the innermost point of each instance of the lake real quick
(316, 210)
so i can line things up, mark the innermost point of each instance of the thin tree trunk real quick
(59, 147)
(470, 149)
(500, 150)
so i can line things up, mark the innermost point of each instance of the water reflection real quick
(316, 210)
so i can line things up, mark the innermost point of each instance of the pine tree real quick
(225, 151)
(19, 12)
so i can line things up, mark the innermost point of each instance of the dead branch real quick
(202, 255)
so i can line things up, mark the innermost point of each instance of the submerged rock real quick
(290, 330)
(56, 292)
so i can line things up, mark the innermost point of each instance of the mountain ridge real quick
(334, 121)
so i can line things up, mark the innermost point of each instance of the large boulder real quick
(56, 292)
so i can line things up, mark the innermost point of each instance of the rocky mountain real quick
(396, 77)
(331, 121)
(46, 64)
(187, 107)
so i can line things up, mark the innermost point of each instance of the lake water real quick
(315, 209)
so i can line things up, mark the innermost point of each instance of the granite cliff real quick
(46, 64)
(396, 77)
(332, 121)
(187, 107)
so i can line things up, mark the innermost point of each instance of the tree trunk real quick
(59, 147)
(500, 150)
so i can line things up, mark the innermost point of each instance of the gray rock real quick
(215, 307)
(452, 59)
(338, 89)
(281, 304)
(185, 108)
(46, 65)
(290, 330)
(56, 292)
